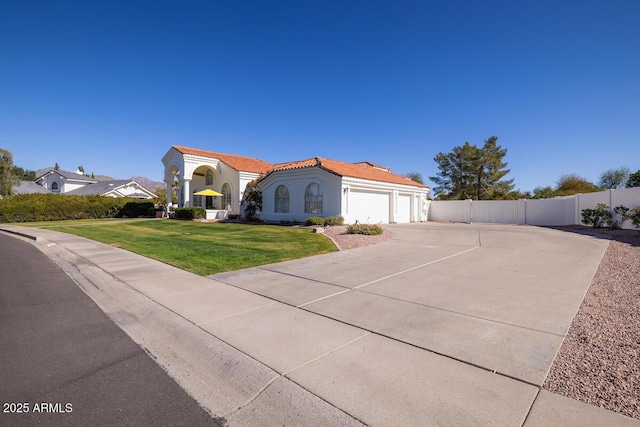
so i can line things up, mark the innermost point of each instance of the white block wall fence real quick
(557, 211)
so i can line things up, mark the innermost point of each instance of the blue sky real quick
(113, 85)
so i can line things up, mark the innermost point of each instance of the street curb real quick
(35, 238)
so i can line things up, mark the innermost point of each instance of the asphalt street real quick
(64, 362)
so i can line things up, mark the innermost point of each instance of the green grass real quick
(202, 248)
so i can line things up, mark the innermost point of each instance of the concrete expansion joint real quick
(416, 267)
(533, 401)
(299, 277)
(234, 314)
(284, 375)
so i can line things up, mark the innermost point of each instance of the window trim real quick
(281, 201)
(313, 203)
(226, 197)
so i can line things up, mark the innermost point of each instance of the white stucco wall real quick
(296, 182)
(354, 199)
(64, 185)
(70, 186)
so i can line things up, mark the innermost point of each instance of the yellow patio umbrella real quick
(208, 192)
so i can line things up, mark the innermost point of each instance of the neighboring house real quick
(76, 184)
(59, 181)
(364, 191)
(114, 188)
(195, 170)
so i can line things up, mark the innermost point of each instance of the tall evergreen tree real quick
(8, 178)
(472, 172)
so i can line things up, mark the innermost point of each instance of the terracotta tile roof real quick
(362, 170)
(373, 165)
(239, 163)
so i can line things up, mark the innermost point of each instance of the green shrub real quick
(136, 209)
(314, 220)
(621, 215)
(367, 229)
(597, 217)
(190, 213)
(52, 207)
(634, 216)
(334, 220)
(329, 220)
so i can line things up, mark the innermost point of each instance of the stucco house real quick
(363, 192)
(76, 184)
(293, 191)
(60, 181)
(195, 170)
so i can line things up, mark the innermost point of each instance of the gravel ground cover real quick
(599, 361)
(351, 241)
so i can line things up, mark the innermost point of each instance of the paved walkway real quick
(446, 324)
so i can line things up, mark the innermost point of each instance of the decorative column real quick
(169, 198)
(186, 202)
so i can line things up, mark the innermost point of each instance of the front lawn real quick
(199, 247)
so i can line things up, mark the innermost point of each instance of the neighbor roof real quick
(239, 163)
(100, 187)
(29, 187)
(67, 175)
(362, 170)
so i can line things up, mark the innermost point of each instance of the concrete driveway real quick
(496, 297)
(445, 324)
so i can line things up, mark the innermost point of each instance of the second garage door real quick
(369, 207)
(404, 208)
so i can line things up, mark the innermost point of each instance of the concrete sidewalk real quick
(442, 325)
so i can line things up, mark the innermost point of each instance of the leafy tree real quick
(634, 180)
(7, 177)
(161, 192)
(543, 193)
(573, 184)
(614, 178)
(415, 176)
(472, 172)
(252, 200)
(24, 175)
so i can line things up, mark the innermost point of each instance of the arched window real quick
(282, 199)
(209, 177)
(54, 186)
(226, 196)
(313, 199)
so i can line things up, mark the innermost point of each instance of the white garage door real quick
(404, 208)
(369, 207)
